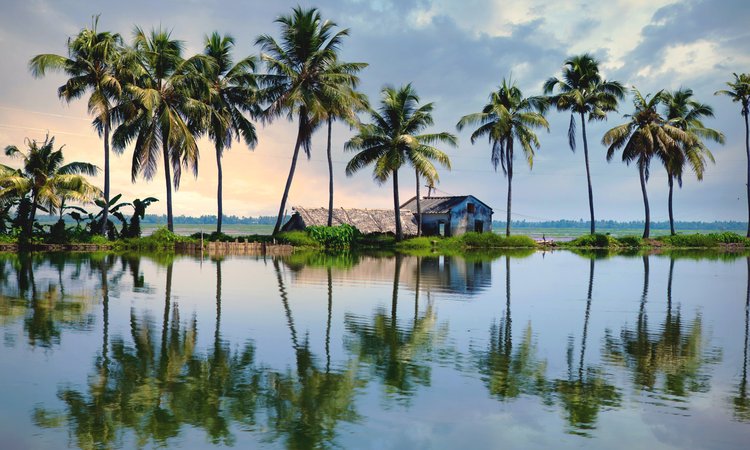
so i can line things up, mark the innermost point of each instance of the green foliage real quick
(729, 238)
(593, 241)
(297, 239)
(489, 240)
(57, 233)
(689, 240)
(341, 236)
(629, 241)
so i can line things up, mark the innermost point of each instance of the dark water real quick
(311, 351)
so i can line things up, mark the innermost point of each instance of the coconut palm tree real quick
(91, 64)
(341, 101)
(508, 117)
(739, 91)
(686, 113)
(646, 135)
(297, 74)
(45, 179)
(232, 92)
(582, 91)
(161, 99)
(392, 140)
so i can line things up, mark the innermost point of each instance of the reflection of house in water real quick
(436, 274)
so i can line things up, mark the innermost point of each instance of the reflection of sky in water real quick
(423, 375)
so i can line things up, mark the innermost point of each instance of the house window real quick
(470, 208)
(441, 228)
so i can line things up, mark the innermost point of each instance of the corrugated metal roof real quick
(438, 205)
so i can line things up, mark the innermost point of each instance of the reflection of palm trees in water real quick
(741, 402)
(668, 365)
(306, 408)
(153, 388)
(396, 355)
(584, 394)
(509, 374)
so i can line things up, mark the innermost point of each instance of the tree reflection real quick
(741, 402)
(508, 373)
(155, 387)
(668, 364)
(307, 406)
(586, 391)
(44, 305)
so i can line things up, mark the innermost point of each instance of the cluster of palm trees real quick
(150, 96)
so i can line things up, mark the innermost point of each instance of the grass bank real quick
(724, 240)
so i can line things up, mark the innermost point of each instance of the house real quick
(365, 220)
(452, 216)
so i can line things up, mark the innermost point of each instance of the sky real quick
(454, 53)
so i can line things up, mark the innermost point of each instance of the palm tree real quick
(392, 140)
(232, 93)
(45, 178)
(341, 101)
(91, 64)
(739, 91)
(297, 67)
(160, 102)
(508, 117)
(582, 91)
(686, 114)
(645, 136)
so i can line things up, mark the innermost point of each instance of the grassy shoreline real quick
(162, 239)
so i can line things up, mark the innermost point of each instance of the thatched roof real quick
(365, 220)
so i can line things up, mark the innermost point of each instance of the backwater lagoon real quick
(508, 350)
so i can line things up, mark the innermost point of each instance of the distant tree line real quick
(632, 224)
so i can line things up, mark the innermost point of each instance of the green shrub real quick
(629, 241)
(689, 240)
(418, 243)
(728, 237)
(594, 241)
(483, 240)
(341, 236)
(99, 240)
(296, 238)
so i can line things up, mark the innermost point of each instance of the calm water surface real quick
(312, 351)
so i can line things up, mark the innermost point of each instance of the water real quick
(533, 350)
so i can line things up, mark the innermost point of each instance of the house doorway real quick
(479, 226)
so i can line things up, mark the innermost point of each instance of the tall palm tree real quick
(161, 99)
(232, 92)
(508, 117)
(45, 178)
(582, 91)
(393, 140)
(341, 101)
(739, 91)
(297, 75)
(686, 113)
(91, 64)
(646, 135)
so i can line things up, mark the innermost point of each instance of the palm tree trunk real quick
(105, 217)
(419, 207)
(747, 151)
(509, 165)
(168, 178)
(588, 174)
(32, 216)
(289, 178)
(219, 201)
(647, 225)
(671, 215)
(396, 207)
(330, 175)
(105, 318)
